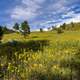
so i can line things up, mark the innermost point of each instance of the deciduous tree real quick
(25, 28)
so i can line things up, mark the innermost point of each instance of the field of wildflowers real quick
(45, 57)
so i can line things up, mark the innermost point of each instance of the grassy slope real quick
(54, 61)
(52, 36)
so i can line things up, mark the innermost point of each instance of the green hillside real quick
(41, 56)
(72, 26)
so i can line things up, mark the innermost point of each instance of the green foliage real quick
(63, 26)
(61, 62)
(1, 33)
(71, 27)
(7, 31)
(25, 28)
(59, 30)
(48, 57)
(41, 30)
(16, 26)
(72, 24)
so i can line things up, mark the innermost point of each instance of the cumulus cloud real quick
(21, 13)
(27, 10)
(54, 12)
(63, 11)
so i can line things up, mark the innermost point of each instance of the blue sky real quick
(39, 13)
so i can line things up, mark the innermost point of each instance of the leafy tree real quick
(16, 26)
(63, 26)
(59, 30)
(25, 28)
(54, 28)
(5, 29)
(72, 24)
(41, 30)
(1, 33)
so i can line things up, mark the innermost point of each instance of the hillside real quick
(71, 27)
(41, 56)
(52, 36)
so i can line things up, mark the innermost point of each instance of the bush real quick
(41, 30)
(59, 30)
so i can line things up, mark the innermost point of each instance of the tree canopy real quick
(1, 33)
(25, 28)
(16, 26)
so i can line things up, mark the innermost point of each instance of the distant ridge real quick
(73, 26)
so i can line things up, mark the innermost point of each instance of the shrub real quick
(41, 30)
(59, 30)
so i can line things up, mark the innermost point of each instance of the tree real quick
(59, 30)
(41, 30)
(72, 24)
(5, 29)
(1, 33)
(25, 28)
(63, 26)
(16, 26)
(54, 28)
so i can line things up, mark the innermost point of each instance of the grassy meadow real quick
(41, 56)
(52, 36)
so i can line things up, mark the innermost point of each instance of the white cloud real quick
(75, 18)
(29, 2)
(69, 14)
(64, 7)
(21, 13)
(61, 6)
(58, 6)
(29, 9)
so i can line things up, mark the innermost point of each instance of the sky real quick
(39, 13)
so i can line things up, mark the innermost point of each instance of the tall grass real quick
(37, 60)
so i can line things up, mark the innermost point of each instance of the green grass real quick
(53, 36)
(41, 56)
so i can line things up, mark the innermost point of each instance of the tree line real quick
(23, 28)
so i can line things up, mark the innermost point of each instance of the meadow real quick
(41, 56)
